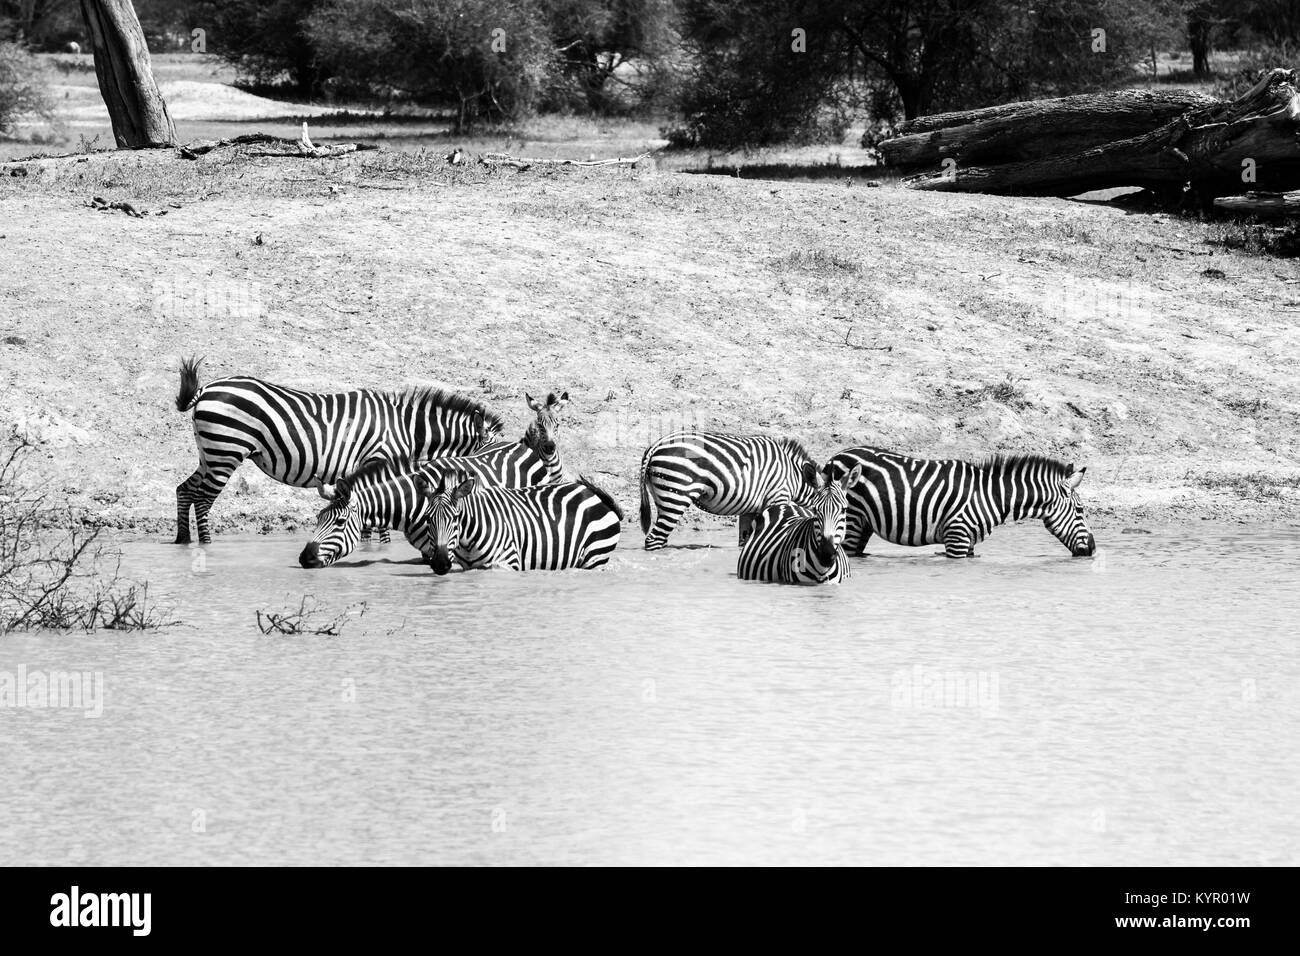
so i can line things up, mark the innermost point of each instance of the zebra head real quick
(338, 529)
(1063, 515)
(828, 500)
(544, 432)
(444, 516)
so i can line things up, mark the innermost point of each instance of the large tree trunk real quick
(126, 82)
(1225, 148)
(1023, 131)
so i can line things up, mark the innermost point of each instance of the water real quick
(1139, 708)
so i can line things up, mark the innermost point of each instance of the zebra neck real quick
(396, 511)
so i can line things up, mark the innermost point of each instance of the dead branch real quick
(302, 148)
(505, 159)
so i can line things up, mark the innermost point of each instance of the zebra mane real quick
(426, 395)
(796, 448)
(1017, 463)
(377, 468)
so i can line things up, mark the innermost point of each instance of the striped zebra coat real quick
(800, 543)
(918, 501)
(544, 528)
(718, 473)
(381, 496)
(308, 439)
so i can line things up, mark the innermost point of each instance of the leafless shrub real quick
(54, 571)
(1007, 392)
(307, 618)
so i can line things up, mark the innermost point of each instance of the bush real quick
(22, 87)
(54, 571)
(489, 61)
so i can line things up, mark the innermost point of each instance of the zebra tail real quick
(645, 495)
(603, 495)
(189, 393)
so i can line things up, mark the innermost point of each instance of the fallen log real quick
(275, 146)
(1263, 205)
(1025, 131)
(1225, 148)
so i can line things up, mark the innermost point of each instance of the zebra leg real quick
(207, 483)
(856, 538)
(857, 530)
(672, 505)
(185, 493)
(958, 543)
(384, 537)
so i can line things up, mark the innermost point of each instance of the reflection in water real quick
(1021, 708)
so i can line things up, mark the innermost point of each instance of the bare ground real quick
(939, 325)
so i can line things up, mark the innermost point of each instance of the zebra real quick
(801, 543)
(917, 501)
(543, 528)
(720, 474)
(307, 439)
(384, 495)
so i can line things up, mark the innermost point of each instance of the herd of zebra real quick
(433, 465)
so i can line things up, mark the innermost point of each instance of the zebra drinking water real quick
(917, 501)
(382, 495)
(544, 528)
(308, 439)
(801, 543)
(720, 474)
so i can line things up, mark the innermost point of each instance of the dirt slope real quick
(933, 324)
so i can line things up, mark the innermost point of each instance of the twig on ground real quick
(505, 159)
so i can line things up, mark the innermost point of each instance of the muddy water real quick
(1141, 707)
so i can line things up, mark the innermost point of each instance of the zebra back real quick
(307, 438)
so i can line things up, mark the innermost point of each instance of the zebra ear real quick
(466, 487)
(851, 478)
(563, 399)
(1075, 479)
(342, 491)
(533, 403)
(810, 474)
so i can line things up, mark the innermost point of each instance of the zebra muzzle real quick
(310, 557)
